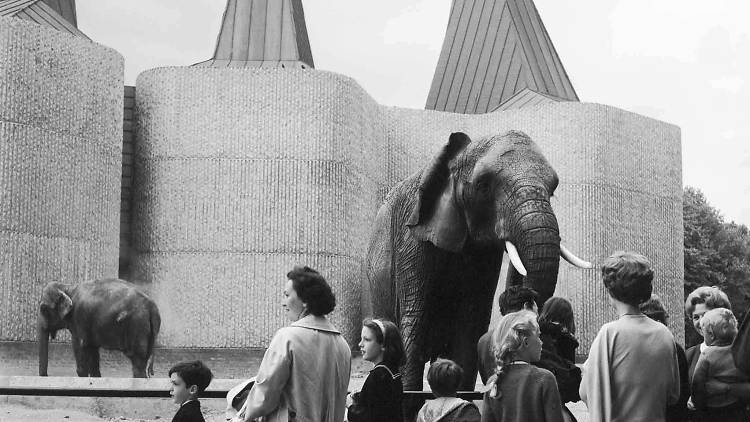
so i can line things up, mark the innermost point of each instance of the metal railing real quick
(134, 387)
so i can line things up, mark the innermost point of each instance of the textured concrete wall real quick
(242, 173)
(60, 164)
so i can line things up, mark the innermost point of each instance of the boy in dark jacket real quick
(444, 377)
(189, 380)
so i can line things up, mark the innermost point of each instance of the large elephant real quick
(434, 259)
(109, 313)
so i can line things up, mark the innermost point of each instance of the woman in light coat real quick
(632, 371)
(304, 374)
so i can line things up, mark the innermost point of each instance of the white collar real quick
(380, 365)
(313, 322)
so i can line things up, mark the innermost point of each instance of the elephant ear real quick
(64, 304)
(436, 218)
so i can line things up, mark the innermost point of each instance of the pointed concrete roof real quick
(527, 98)
(40, 12)
(64, 8)
(494, 49)
(262, 33)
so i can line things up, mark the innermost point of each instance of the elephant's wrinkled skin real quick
(111, 313)
(434, 258)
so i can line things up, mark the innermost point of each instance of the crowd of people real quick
(635, 370)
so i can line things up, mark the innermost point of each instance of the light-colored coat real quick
(631, 373)
(304, 375)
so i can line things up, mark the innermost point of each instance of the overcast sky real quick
(685, 62)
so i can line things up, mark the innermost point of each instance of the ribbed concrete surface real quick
(241, 173)
(60, 165)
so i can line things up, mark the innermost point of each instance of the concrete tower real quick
(262, 33)
(55, 14)
(496, 55)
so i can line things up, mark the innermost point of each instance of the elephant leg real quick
(412, 330)
(92, 358)
(139, 365)
(470, 304)
(472, 320)
(412, 373)
(78, 352)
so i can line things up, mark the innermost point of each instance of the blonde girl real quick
(520, 392)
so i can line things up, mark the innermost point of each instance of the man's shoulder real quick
(485, 339)
(484, 348)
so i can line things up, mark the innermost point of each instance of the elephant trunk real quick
(43, 341)
(536, 236)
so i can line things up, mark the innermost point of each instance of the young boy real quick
(444, 377)
(716, 363)
(188, 381)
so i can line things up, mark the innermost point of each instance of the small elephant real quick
(434, 258)
(109, 313)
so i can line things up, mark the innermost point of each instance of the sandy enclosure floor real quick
(21, 359)
(26, 413)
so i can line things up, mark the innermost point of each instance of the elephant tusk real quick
(574, 260)
(514, 258)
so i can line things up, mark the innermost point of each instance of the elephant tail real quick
(155, 326)
(150, 366)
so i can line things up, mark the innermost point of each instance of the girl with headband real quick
(381, 395)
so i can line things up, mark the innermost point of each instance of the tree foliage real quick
(716, 254)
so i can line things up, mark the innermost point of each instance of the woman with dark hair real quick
(557, 328)
(304, 374)
(382, 392)
(631, 372)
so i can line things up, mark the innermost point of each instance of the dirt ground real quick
(15, 412)
(25, 413)
(20, 359)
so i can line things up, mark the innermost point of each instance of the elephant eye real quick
(483, 187)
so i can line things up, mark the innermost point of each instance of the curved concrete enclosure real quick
(239, 175)
(242, 173)
(60, 165)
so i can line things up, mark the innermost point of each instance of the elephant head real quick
(494, 194)
(54, 310)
